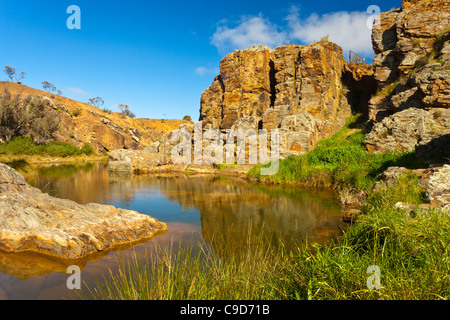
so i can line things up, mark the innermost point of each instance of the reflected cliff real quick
(234, 212)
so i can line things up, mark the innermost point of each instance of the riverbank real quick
(27, 165)
(409, 245)
(410, 249)
(24, 155)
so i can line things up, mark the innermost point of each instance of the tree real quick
(125, 109)
(11, 73)
(60, 92)
(187, 118)
(96, 102)
(48, 86)
(20, 77)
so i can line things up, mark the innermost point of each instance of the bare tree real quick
(96, 102)
(20, 77)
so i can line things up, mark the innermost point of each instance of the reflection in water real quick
(235, 213)
(223, 212)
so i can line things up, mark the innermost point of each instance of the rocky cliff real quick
(300, 90)
(307, 92)
(411, 110)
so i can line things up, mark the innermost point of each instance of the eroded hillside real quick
(81, 123)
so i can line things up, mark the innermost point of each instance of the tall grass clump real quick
(412, 250)
(194, 272)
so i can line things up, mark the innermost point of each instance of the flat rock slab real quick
(34, 221)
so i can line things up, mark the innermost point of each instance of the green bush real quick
(87, 149)
(23, 145)
(77, 112)
(30, 116)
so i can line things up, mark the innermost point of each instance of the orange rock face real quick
(268, 86)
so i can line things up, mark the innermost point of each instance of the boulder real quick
(34, 221)
(438, 188)
(259, 88)
(123, 160)
(425, 131)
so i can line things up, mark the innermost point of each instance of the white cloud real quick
(249, 31)
(347, 29)
(77, 91)
(202, 71)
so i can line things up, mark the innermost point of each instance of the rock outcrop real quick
(435, 181)
(305, 92)
(438, 187)
(426, 131)
(297, 89)
(33, 221)
(411, 110)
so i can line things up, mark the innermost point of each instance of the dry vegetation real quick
(84, 120)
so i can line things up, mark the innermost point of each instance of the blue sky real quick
(158, 57)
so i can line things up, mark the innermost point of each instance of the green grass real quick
(193, 272)
(387, 90)
(26, 146)
(341, 161)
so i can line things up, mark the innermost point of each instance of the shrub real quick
(87, 149)
(125, 110)
(77, 112)
(29, 116)
(437, 114)
(386, 91)
(23, 145)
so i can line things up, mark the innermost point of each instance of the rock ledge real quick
(34, 221)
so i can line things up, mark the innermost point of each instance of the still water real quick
(219, 211)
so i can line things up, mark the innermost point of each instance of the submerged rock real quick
(34, 221)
